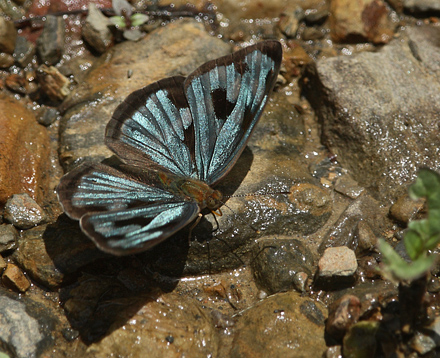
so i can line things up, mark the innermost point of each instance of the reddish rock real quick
(14, 278)
(24, 148)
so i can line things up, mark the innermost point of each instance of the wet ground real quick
(291, 267)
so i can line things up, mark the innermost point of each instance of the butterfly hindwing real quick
(123, 211)
(226, 98)
(153, 128)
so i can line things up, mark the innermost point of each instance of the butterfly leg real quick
(191, 228)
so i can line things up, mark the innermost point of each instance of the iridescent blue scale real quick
(176, 137)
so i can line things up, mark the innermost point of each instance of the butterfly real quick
(176, 139)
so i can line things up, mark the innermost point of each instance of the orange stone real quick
(24, 151)
(15, 279)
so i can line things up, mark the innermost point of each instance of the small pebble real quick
(14, 278)
(8, 34)
(53, 83)
(23, 212)
(50, 44)
(3, 264)
(8, 237)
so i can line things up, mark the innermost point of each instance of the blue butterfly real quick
(177, 138)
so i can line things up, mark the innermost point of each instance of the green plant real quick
(422, 235)
(126, 21)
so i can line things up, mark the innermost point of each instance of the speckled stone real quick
(23, 212)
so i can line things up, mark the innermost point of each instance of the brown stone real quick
(24, 148)
(14, 278)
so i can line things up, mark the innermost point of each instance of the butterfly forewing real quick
(226, 98)
(153, 128)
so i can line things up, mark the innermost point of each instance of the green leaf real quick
(118, 21)
(427, 183)
(400, 268)
(432, 242)
(414, 244)
(139, 19)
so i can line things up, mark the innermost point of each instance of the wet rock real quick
(294, 59)
(380, 128)
(186, 329)
(23, 212)
(333, 352)
(374, 296)
(49, 253)
(53, 83)
(420, 7)
(347, 186)
(316, 16)
(8, 237)
(343, 313)
(6, 60)
(14, 279)
(347, 232)
(19, 332)
(336, 267)
(427, 340)
(16, 83)
(24, 51)
(8, 34)
(278, 262)
(24, 145)
(289, 22)
(50, 44)
(284, 324)
(405, 208)
(47, 115)
(360, 340)
(365, 20)
(368, 267)
(96, 31)
(365, 238)
(312, 34)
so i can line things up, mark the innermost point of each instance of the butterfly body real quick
(177, 138)
(193, 190)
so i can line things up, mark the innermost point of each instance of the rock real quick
(333, 352)
(49, 253)
(186, 329)
(23, 212)
(317, 16)
(427, 340)
(377, 125)
(19, 332)
(348, 230)
(312, 34)
(8, 34)
(8, 237)
(3, 264)
(16, 83)
(47, 115)
(24, 51)
(342, 314)
(365, 239)
(289, 22)
(24, 145)
(50, 44)
(282, 325)
(422, 7)
(360, 21)
(347, 186)
(6, 60)
(360, 340)
(279, 262)
(336, 267)
(14, 278)
(53, 83)
(405, 208)
(96, 31)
